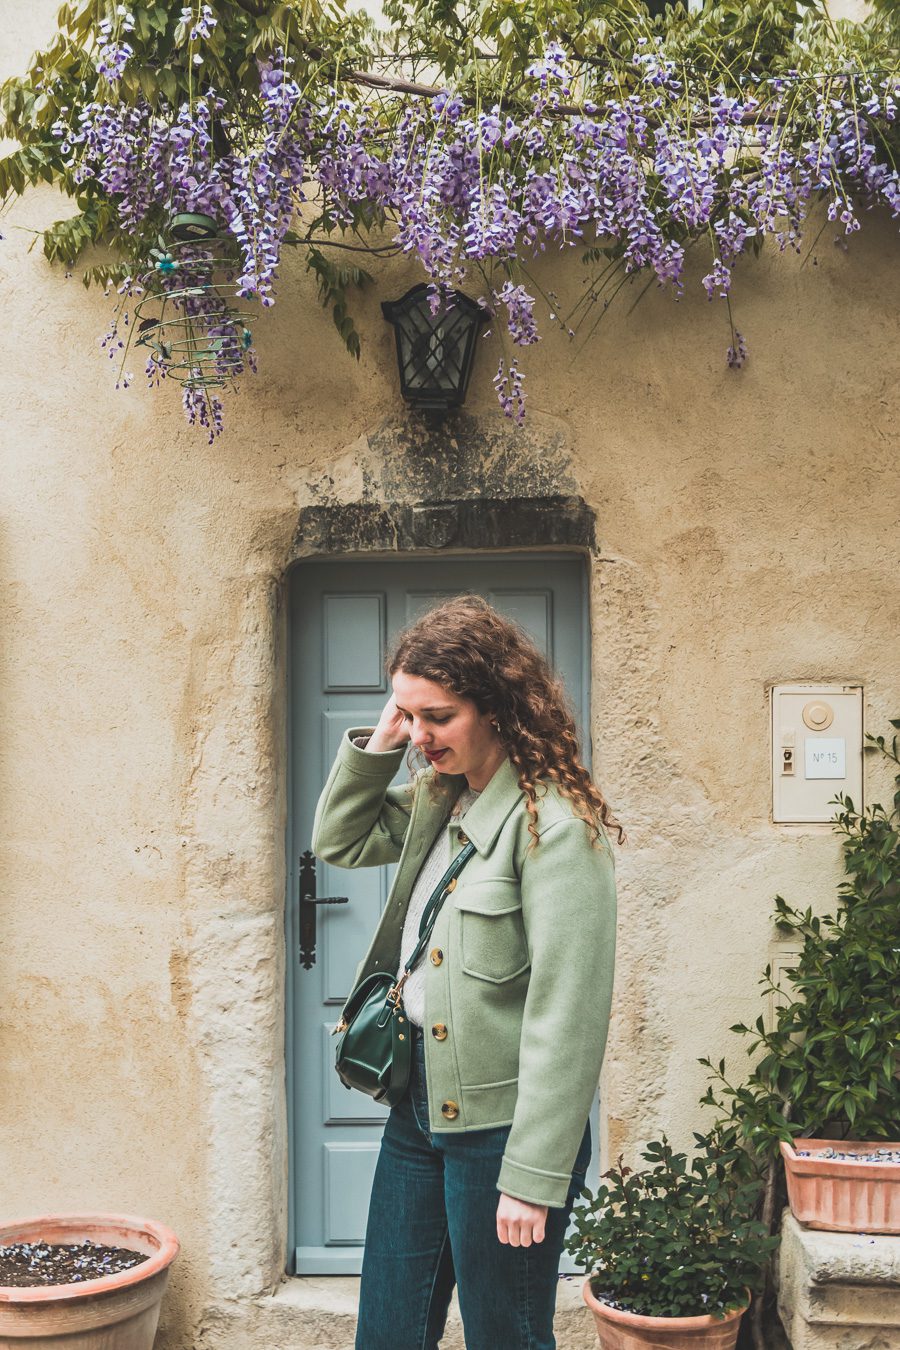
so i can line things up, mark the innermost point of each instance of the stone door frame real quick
(238, 959)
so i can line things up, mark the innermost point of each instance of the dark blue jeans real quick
(433, 1224)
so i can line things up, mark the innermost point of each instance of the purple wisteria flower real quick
(203, 409)
(718, 281)
(202, 21)
(509, 386)
(113, 53)
(639, 171)
(552, 73)
(520, 313)
(737, 354)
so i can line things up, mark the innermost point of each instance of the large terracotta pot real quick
(619, 1330)
(843, 1197)
(116, 1312)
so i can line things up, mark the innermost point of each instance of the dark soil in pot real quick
(24, 1264)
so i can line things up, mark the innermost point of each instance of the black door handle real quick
(308, 902)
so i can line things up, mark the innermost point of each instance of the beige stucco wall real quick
(748, 533)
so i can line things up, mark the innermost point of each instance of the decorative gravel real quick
(876, 1155)
(33, 1263)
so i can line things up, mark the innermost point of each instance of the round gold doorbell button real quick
(818, 716)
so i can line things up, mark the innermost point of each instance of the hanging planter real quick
(114, 1312)
(186, 318)
(843, 1186)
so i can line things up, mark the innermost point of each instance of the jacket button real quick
(439, 1031)
(462, 836)
(436, 955)
(450, 1110)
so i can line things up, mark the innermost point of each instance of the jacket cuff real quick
(377, 764)
(536, 1188)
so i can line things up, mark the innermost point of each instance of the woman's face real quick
(451, 732)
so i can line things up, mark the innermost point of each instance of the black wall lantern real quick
(434, 351)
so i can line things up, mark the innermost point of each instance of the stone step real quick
(838, 1291)
(318, 1312)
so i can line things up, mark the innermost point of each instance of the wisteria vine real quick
(632, 175)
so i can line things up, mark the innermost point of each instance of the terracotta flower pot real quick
(843, 1197)
(619, 1330)
(116, 1312)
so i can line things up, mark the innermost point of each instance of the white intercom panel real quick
(817, 750)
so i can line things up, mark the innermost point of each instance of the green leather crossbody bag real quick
(373, 1052)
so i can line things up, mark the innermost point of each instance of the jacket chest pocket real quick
(492, 933)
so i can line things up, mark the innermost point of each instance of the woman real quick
(510, 1008)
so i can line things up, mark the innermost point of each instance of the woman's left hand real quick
(520, 1223)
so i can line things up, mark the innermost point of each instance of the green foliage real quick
(480, 47)
(489, 46)
(64, 240)
(167, 68)
(678, 1238)
(106, 275)
(741, 37)
(333, 279)
(830, 1066)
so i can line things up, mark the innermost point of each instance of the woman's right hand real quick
(392, 731)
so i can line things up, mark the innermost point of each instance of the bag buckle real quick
(395, 991)
(339, 1027)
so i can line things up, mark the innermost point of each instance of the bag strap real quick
(426, 925)
(429, 915)
(440, 893)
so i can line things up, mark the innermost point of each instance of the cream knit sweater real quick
(435, 864)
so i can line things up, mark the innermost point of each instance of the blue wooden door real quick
(342, 616)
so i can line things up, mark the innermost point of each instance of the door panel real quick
(532, 609)
(353, 634)
(342, 618)
(418, 601)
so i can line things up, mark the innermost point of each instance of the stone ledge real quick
(482, 522)
(318, 1312)
(838, 1291)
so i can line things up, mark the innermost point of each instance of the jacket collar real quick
(430, 809)
(487, 815)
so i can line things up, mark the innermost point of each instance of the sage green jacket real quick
(520, 965)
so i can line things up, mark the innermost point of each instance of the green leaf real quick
(148, 83)
(168, 84)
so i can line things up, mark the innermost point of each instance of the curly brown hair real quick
(470, 649)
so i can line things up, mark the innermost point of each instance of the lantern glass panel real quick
(435, 351)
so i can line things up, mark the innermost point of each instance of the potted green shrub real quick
(672, 1252)
(825, 1091)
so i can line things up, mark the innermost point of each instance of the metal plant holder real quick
(185, 316)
